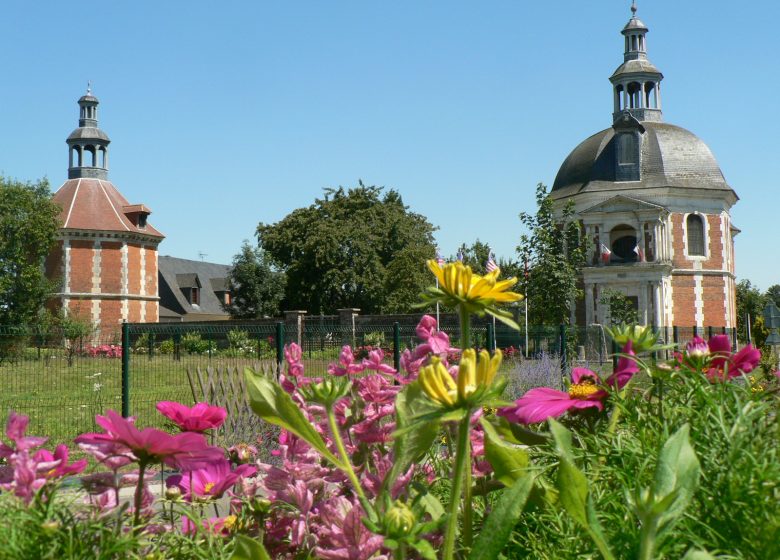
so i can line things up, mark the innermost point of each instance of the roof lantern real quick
(637, 82)
(88, 145)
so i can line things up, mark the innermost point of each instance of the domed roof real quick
(670, 157)
(89, 133)
(636, 66)
(635, 23)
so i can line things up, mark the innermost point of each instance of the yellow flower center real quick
(583, 390)
(229, 522)
(208, 487)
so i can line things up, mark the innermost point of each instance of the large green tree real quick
(358, 247)
(750, 302)
(256, 288)
(28, 228)
(555, 251)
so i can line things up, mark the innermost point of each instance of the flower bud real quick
(50, 527)
(242, 453)
(173, 493)
(399, 520)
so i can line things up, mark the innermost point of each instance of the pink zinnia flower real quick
(211, 481)
(199, 418)
(186, 450)
(542, 403)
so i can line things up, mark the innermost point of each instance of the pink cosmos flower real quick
(199, 418)
(293, 354)
(186, 451)
(715, 355)
(109, 453)
(626, 368)
(60, 457)
(347, 364)
(542, 403)
(211, 481)
(435, 342)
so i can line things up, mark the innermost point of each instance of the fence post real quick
(615, 350)
(709, 332)
(279, 345)
(676, 335)
(125, 369)
(397, 346)
(733, 339)
(491, 337)
(562, 346)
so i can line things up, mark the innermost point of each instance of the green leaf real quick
(274, 405)
(498, 526)
(677, 474)
(698, 555)
(413, 438)
(424, 549)
(509, 461)
(518, 434)
(249, 549)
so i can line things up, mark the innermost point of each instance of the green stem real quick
(647, 543)
(346, 464)
(465, 327)
(468, 522)
(461, 462)
(400, 552)
(139, 496)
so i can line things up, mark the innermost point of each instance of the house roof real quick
(95, 204)
(176, 273)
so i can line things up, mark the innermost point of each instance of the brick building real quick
(654, 203)
(106, 258)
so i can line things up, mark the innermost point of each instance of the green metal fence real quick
(63, 383)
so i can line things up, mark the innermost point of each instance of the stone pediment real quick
(622, 203)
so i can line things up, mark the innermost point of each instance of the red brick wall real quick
(110, 313)
(714, 301)
(134, 311)
(151, 273)
(678, 243)
(111, 267)
(715, 239)
(134, 268)
(81, 253)
(684, 301)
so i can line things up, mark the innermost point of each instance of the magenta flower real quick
(435, 342)
(347, 364)
(626, 368)
(15, 431)
(60, 457)
(199, 418)
(211, 481)
(342, 535)
(716, 360)
(734, 365)
(542, 403)
(186, 450)
(109, 453)
(293, 354)
(374, 362)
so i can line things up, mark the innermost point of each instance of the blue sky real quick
(226, 114)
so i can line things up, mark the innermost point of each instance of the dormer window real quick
(194, 296)
(142, 221)
(137, 214)
(190, 287)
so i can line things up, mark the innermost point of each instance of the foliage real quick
(555, 250)
(476, 256)
(193, 343)
(75, 331)
(359, 247)
(28, 226)
(621, 309)
(256, 288)
(750, 301)
(773, 293)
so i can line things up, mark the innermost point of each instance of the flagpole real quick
(438, 324)
(526, 326)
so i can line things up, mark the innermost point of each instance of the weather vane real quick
(633, 7)
(89, 88)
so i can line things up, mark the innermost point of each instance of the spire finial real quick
(633, 7)
(89, 88)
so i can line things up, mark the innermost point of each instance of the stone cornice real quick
(97, 235)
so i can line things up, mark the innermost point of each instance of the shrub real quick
(193, 343)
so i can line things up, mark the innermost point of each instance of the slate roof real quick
(176, 273)
(95, 204)
(671, 157)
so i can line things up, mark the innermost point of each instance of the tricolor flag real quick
(605, 253)
(491, 265)
(639, 253)
(439, 258)
(460, 255)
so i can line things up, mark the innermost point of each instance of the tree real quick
(750, 301)
(555, 251)
(773, 294)
(622, 310)
(256, 288)
(29, 221)
(476, 256)
(359, 247)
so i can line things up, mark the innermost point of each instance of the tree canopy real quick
(358, 247)
(28, 229)
(256, 288)
(555, 250)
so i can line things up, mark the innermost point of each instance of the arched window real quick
(695, 227)
(623, 238)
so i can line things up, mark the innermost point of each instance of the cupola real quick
(88, 145)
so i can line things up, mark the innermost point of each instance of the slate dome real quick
(671, 156)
